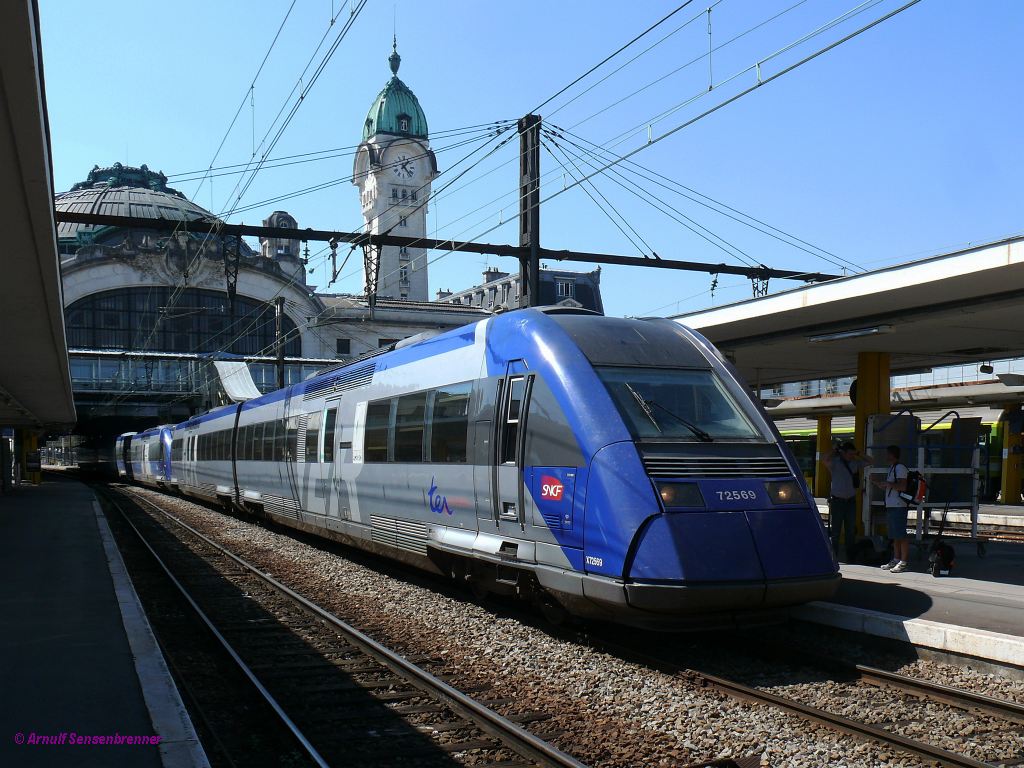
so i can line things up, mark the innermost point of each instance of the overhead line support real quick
(360, 239)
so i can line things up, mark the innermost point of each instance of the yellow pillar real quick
(30, 442)
(873, 396)
(1013, 458)
(822, 481)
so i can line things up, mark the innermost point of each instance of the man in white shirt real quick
(896, 511)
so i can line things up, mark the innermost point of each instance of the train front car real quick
(671, 499)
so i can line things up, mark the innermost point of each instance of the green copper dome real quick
(396, 109)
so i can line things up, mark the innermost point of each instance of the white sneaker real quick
(900, 567)
(890, 565)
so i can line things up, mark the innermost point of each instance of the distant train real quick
(609, 468)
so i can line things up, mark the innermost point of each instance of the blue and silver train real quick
(605, 467)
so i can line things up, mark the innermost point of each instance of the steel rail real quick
(815, 715)
(915, 686)
(296, 732)
(511, 734)
(1009, 710)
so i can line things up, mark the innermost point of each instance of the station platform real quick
(79, 666)
(978, 611)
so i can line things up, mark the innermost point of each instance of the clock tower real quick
(393, 171)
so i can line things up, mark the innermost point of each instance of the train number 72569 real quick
(737, 495)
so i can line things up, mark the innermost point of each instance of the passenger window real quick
(269, 427)
(313, 437)
(515, 390)
(245, 443)
(257, 442)
(329, 419)
(449, 424)
(409, 421)
(375, 438)
(279, 435)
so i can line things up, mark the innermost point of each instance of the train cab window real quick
(313, 437)
(449, 424)
(409, 420)
(269, 438)
(514, 394)
(330, 416)
(375, 438)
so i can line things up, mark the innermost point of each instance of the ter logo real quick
(551, 488)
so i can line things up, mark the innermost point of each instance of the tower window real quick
(402, 222)
(405, 194)
(403, 253)
(403, 274)
(394, 194)
(565, 289)
(403, 123)
(344, 346)
(412, 195)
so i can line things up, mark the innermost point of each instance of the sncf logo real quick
(551, 488)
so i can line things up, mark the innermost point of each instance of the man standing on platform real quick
(896, 511)
(845, 465)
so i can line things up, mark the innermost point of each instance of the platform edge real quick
(179, 746)
(952, 638)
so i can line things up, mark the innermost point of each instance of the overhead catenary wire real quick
(350, 149)
(353, 15)
(611, 56)
(246, 96)
(689, 223)
(622, 66)
(620, 221)
(180, 287)
(690, 63)
(700, 198)
(735, 97)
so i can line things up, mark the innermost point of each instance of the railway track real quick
(1010, 712)
(345, 698)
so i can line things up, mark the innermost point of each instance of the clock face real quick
(403, 166)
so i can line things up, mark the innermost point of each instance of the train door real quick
(126, 456)
(335, 499)
(509, 502)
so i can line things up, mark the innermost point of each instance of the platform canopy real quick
(35, 380)
(960, 307)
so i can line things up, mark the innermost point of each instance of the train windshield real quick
(676, 404)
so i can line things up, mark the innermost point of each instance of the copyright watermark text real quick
(73, 739)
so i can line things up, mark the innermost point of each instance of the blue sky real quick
(901, 143)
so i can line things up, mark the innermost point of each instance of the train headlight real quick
(785, 492)
(675, 495)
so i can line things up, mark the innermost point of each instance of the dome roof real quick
(396, 110)
(123, 191)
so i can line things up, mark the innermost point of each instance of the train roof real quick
(632, 342)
